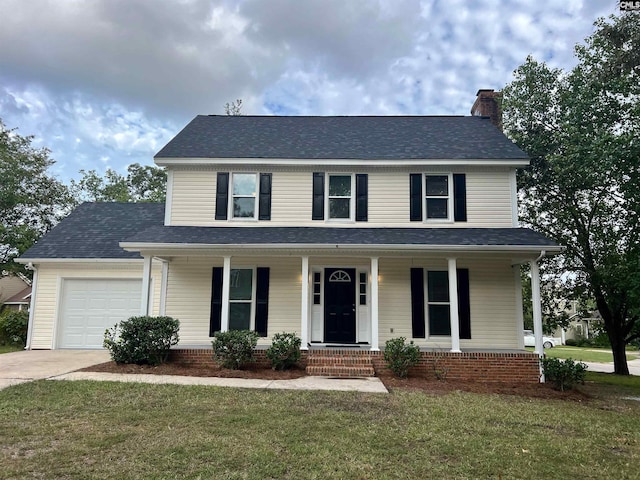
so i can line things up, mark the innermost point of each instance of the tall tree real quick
(580, 128)
(141, 184)
(32, 200)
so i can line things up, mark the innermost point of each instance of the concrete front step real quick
(340, 371)
(340, 365)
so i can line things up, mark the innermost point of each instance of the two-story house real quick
(348, 231)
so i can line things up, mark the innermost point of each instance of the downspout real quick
(32, 304)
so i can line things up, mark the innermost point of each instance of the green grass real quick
(583, 354)
(10, 348)
(57, 429)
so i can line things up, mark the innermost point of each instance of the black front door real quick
(340, 305)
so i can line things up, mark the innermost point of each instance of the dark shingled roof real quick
(359, 138)
(300, 236)
(94, 230)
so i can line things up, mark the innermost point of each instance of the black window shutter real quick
(417, 303)
(415, 197)
(464, 306)
(362, 197)
(318, 196)
(459, 197)
(222, 195)
(264, 207)
(262, 300)
(215, 320)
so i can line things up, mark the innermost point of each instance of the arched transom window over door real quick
(339, 276)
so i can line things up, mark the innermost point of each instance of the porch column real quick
(304, 309)
(226, 280)
(146, 285)
(374, 305)
(537, 309)
(453, 305)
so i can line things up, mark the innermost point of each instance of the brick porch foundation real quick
(512, 367)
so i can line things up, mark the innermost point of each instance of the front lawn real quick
(583, 354)
(57, 429)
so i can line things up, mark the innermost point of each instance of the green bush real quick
(142, 340)
(13, 328)
(564, 374)
(570, 342)
(234, 349)
(400, 356)
(284, 351)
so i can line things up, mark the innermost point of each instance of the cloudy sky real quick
(106, 83)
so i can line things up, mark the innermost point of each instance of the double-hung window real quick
(340, 197)
(438, 303)
(438, 197)
(244, 192)
(241, 298)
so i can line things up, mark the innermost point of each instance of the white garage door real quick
(89, 307)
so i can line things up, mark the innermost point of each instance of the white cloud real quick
(105, 83)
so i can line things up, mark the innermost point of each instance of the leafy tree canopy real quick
(31, 199)
(141, 184)
(580, 128)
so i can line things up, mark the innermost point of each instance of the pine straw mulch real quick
(413, 383)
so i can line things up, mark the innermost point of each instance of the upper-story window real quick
(437, 197)
(340, 197)
(243, 196)
(244, 192)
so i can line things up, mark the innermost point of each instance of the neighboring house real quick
(15, 292)
(349, 231)
(19, 302)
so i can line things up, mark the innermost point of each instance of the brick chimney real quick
(488, 104)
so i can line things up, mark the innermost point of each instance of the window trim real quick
(232, 196)
(352, 197)
(450, 197)
(254, 282)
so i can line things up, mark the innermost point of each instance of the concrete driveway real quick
(28, 365)
(634, 367)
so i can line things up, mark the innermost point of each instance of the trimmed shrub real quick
(142, 340)
(564, 374)
(284, 351)
(570, 342)
(234, 349)
(13, 328)
(401, 356)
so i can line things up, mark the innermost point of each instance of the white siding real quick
(488, 198)
(48, 292)
(193, 197)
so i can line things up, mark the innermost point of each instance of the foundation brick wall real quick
(517, 367)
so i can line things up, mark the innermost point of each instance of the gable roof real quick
(358, 138)
(94, 230)
(20, 298)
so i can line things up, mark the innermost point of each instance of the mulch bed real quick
(427, 385)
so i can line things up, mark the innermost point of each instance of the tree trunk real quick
(620, 366)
